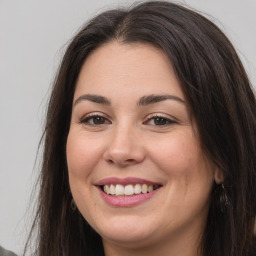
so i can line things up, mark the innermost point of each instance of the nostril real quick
(129, 160)
(110, 161)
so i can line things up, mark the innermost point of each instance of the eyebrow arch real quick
(143, 101)
(93, 98)
(151, 99)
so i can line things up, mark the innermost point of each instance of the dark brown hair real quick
(221, 102)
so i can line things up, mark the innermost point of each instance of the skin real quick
(129, 142)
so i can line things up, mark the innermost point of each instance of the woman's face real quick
(131, 136)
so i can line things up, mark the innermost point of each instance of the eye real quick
(94, 120)
(159, 121)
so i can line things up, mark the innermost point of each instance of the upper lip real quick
(125, 181)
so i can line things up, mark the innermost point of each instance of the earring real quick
(73, 204)
(224, 200)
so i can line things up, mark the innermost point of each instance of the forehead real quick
(116, 66)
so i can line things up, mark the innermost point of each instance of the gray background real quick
(33, 35)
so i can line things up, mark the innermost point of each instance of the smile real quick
(127, 192)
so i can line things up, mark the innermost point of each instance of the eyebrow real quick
(93, 98)
(143, 101)
(151, 99)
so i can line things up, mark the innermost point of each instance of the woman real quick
(149, 143)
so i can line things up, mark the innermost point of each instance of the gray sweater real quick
(4, 252)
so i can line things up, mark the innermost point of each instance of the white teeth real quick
(150, 188)
(137, 189)
(112, 189)
(128, 190)
(120, 190)
(106, 189)
(144, 188)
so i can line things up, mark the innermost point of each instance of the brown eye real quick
(98, 120)
(95, 120)
(160, 121)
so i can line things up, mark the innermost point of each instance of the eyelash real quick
(90, 117)
(154, 117)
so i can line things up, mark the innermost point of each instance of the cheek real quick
(82, 158)
(82, 155)
(189, 176)
(177, 155)
(183, 162)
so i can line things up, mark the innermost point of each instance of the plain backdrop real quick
(33, 37)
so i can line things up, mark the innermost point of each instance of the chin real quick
(127, 230)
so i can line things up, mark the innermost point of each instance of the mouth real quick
(127, 192)
(128, 189)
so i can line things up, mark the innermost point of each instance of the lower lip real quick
(126, 201)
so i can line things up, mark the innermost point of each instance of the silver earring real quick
(73, 204)
(224, 200)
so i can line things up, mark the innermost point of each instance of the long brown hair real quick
(220, 100)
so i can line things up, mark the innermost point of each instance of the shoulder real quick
(4, 252)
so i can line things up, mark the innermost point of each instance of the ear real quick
(218, 176)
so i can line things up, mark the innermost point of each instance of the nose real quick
(125, 148)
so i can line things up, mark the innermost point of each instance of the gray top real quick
(4, 252)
